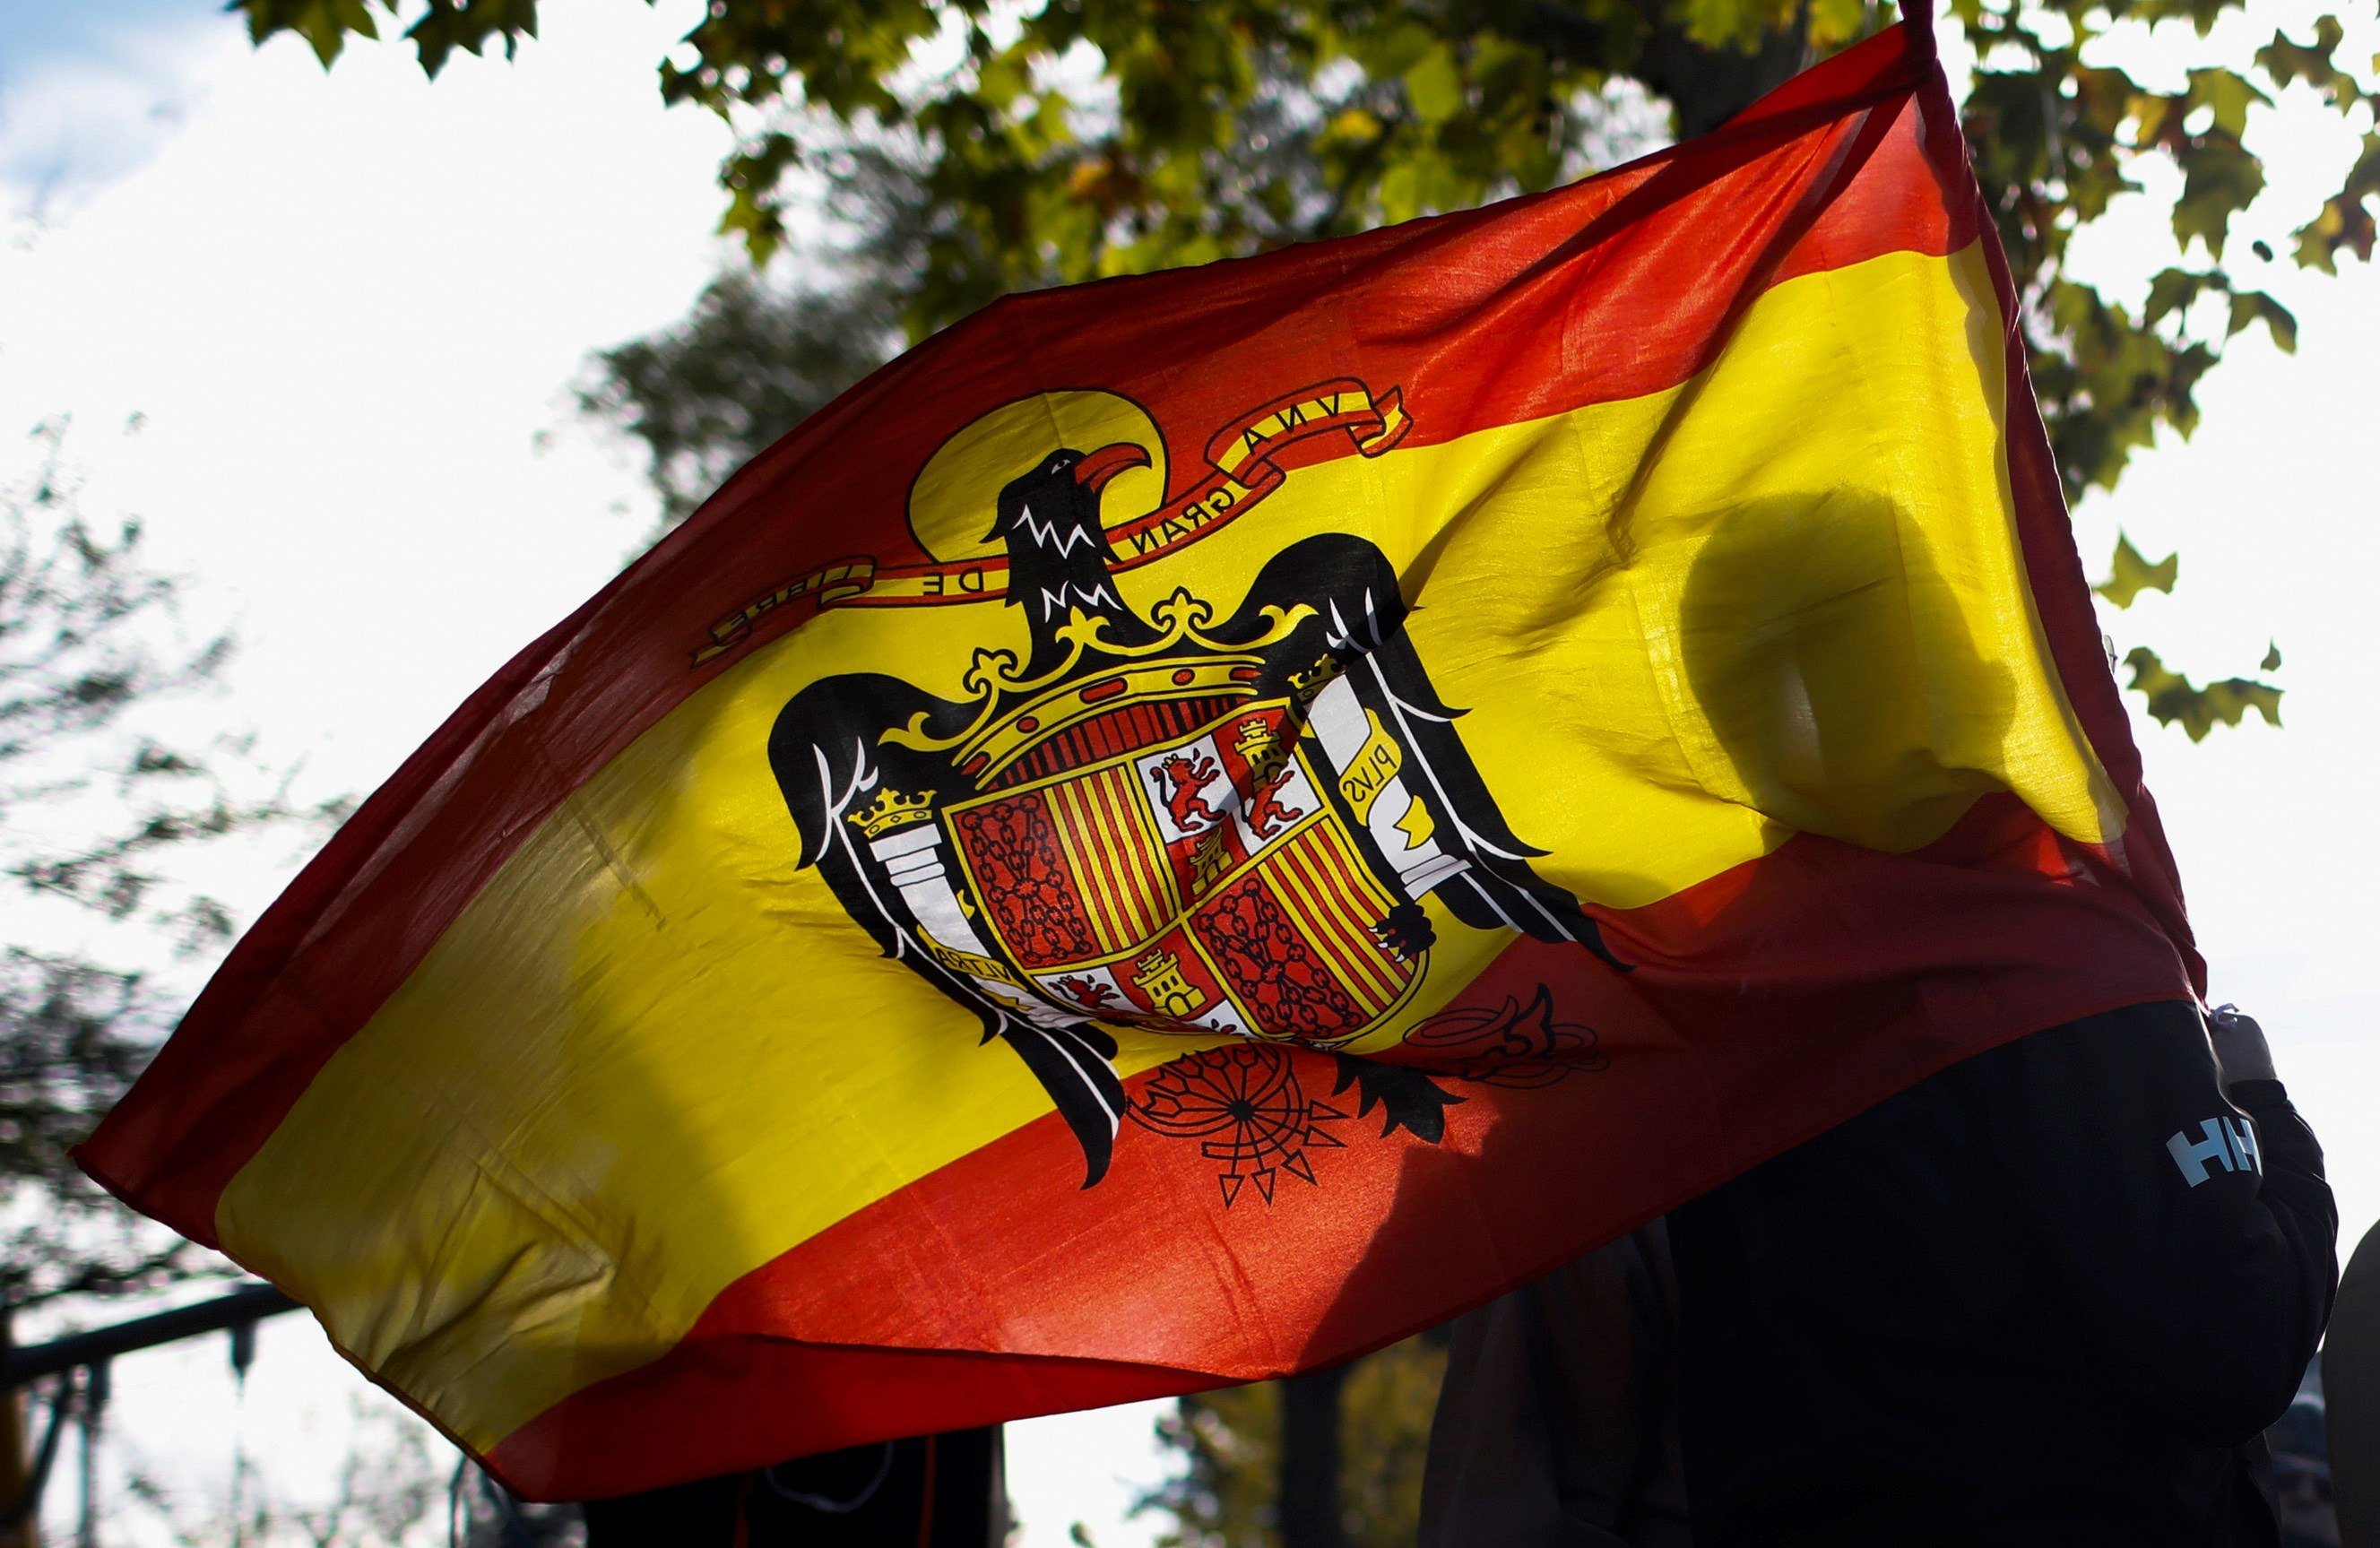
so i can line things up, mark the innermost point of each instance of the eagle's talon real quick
(1405, 930)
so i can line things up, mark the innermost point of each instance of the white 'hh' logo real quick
(2230, 1143)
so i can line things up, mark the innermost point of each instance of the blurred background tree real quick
(100, 808)
(1355, 1483)
(396, 1486)
(925, 156)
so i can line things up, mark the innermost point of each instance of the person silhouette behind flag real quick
(2052, 1295)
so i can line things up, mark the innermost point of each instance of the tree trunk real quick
(1310, 1517)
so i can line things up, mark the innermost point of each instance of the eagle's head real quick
(1050, 517)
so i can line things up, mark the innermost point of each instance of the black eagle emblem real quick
(1175, 821)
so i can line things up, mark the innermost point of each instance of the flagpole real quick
(1944, 137)
(1918, 17)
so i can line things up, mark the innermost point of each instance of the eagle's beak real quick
(1097, 467)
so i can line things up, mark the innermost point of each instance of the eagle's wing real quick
(830, 758)
(1483, 877)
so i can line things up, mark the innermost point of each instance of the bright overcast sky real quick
(349, 309)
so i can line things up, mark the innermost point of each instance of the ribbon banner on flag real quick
(1192, 826)
(1241, 471)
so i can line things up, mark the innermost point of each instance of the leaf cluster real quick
(2057, 139)
(1078, 139)
(2132, 574)
(1088, 138)
(753, 359)
(1006, 148)
(2175, 700)
(442, 27)
(2170, 698)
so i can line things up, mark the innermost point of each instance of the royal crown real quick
(1308, 681)
(891, 809)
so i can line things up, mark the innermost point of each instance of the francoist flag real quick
(1196, 825)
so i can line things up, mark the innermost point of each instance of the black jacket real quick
(2049, 1296)
(1557, 1424)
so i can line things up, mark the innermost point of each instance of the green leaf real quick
(2272, 662)
(1434, 86)
(1392, 51)
(2314, 63)
(325, 24)
(2132, 574)
(751, 176)
(2173, 699)
(2345, 220)
(2173, 290)
(1726, 25)
(448, 25)
(2200, 13)
(2228, 95)
(2219, 179)
(2254, 305)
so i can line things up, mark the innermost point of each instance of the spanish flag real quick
(1196, 825)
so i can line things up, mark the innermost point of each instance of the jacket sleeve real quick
(2195, 1235)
